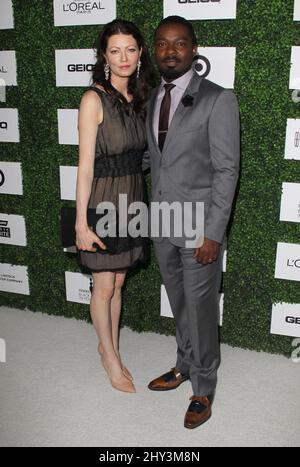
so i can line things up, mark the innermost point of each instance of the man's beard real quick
(170, 74)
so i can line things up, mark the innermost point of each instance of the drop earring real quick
(106, 71)
(139, 64)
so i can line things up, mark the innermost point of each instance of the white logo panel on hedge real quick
(8, 67)
(9, 126)
(290, 202)
(297, 10)
(221, 308)
(201, 9)
(286, 319)
(7, 15)
(74, 67)
(11, 178)
(288, 261)
(68, 180)
(78, 287)
(166, 310)
(224, 263)
(221, 61)
(165, 307)
(12, 229)
(292, 139)
(67, 126)
(295, 68)
(68, 13)
(14, 279)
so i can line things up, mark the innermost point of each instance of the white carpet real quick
(54, 392)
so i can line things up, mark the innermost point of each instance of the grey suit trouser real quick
(193, 292)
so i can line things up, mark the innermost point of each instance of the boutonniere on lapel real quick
(187, 101)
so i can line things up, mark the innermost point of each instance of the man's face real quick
(174, 50)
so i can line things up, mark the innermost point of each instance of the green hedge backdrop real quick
(263, 33)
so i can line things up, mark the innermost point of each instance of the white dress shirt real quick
(176, 95)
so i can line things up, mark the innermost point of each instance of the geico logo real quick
(292, 320)
(81, 7)
(3, 125)
(80, 67)
(199, 1)
(294, 263)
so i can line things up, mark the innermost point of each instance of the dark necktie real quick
(164, 115)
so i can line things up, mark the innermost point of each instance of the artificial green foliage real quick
(263, 33)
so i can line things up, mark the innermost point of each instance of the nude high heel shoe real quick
(124, 369)
(125, 385)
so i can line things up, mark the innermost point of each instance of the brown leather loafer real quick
(199, 411)
(168, 381)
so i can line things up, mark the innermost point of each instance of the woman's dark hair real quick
(138, 87)
(179, 20)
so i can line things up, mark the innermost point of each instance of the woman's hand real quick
(85, 237)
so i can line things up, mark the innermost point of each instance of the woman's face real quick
(122, 55)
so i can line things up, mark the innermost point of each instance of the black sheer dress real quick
(121, 142)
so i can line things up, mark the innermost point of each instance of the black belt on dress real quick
(118, 165)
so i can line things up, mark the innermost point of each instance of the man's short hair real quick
(179, 20)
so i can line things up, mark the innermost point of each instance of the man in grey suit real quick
(193, 136)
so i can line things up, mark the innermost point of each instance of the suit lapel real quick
(181, 110)
(150, 117)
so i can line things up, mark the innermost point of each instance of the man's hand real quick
(208, 252)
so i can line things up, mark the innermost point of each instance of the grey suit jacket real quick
(200, 158)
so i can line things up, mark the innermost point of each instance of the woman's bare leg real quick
(116, 305)
(103, 292)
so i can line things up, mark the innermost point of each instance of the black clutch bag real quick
(68, 233)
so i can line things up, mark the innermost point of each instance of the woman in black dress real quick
(112, 140)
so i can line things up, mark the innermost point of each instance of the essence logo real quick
(4, 230)
(2, 351)
(2, 178)
(199, 1)
(82, 7)
(297, 139)
(3, 125)
(291, 263)
(79, 67)
(292, 320)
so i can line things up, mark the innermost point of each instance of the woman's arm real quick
(90, 116)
